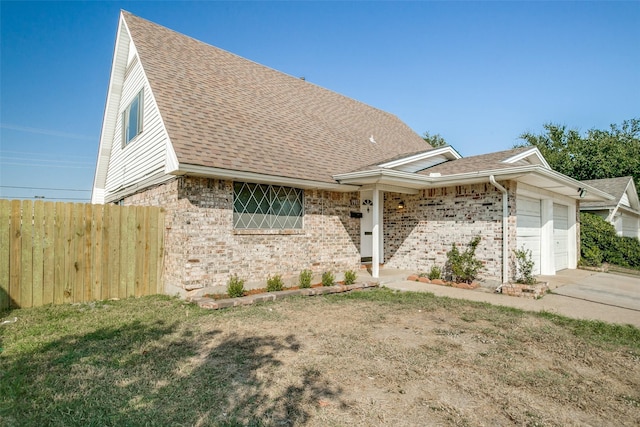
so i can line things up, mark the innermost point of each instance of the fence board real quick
(70, 254)
(114, 253)
(48, 256)
(78, 242)
(38, 253)
(26, 281)
(5, 221)
(96, 254)
(63, 252)
(15, 263)
(60, 231)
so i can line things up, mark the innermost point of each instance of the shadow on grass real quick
(159, 374)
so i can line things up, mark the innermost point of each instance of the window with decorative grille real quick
(260, 206)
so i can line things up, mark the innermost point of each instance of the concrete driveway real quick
(579, 294)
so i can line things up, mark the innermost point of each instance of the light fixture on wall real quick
(368, 203)
(582, 192)
(401, 204)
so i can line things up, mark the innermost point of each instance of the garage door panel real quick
(561, 236)
(528, 229)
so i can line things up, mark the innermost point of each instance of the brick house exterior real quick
(261, 173)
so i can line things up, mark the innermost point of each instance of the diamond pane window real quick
(262, 206)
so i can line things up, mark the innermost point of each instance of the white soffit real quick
(532, 156)
(421, 161)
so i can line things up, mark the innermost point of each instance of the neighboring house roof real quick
(224, 111)
(622, 189)
(491, 161)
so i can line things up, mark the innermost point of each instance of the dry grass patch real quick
(365, 358)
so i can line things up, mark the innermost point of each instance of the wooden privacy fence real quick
(54, 253)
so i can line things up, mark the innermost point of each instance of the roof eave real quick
(411, 180)
(236, 175)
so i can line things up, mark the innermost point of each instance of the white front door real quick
(366, 226)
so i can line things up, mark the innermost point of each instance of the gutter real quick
(505, 229)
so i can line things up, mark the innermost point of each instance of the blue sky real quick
(477, 73)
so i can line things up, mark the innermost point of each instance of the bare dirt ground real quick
(355, 362)
(370, 358)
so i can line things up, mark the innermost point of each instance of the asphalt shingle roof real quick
(483, 162)
(224, 111)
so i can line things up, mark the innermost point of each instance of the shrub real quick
(327, 278)
(523, 272)
(349, 277)
(235, 287)
(464, 267)
(599, 243)
(305, 279)
(274, 283)
(435, 273)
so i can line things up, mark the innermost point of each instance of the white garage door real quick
(561, 236)
(528, 234)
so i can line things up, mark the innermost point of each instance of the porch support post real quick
(375, 250)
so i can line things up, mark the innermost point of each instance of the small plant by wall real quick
(235, 286)
(349, 277)
(463, 266)
(523, 271)
(435, 273)
(305, 279)
(328, 279)
(275, 283)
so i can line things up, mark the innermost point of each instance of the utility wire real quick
(42, 188)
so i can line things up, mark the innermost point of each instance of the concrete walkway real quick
(579, 294)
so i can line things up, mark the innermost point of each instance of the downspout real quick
(505, 230)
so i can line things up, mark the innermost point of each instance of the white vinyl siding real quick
(528, 228)
(560, 236)
(142, 160)
(630, 226)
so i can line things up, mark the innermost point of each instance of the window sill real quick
(257, 232)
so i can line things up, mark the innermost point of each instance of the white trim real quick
(452, 155)
(529, 153)
(258, 178)
(505, 228)
(412, 180)
(116, 80)
(390, 188)
(375, 235)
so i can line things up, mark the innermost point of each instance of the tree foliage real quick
(598, 154)
(435, 140)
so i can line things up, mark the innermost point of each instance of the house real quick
(262, 173)
(623, 212)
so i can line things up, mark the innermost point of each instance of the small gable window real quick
(259, 206)
(132, 119)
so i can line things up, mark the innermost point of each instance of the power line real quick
(42, 188)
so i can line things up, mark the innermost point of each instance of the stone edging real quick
(213, 304)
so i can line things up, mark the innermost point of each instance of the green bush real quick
(235, 287)
(328, 279)
(275, 283)
(463, 267)
(435, 273)
(349, 277)
(599, 243)
(305, 279)
(523, 272)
